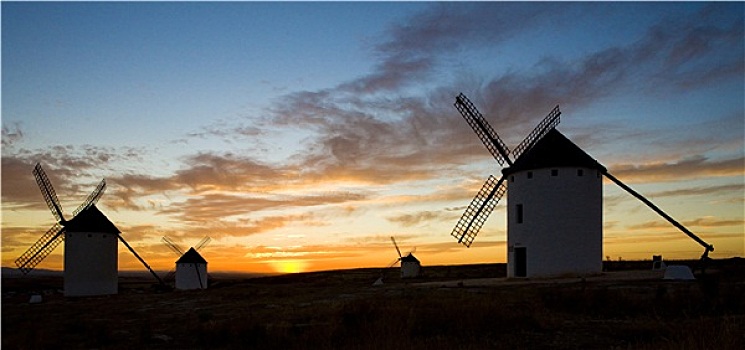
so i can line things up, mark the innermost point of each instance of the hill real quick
(464, 307)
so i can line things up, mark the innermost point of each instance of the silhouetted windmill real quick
(554, 203)
(410, 265)
(90, 256)
(191, 267)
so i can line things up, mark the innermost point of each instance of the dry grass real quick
(340, 309)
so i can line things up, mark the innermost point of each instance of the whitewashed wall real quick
(562, 226)
(188, 278)
(91, 263)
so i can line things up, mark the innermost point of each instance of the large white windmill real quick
(191, 267)
(91, 254)
(554, 202)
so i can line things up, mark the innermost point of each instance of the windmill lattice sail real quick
(47, 191)
(41, 249)
(546, 125)
(92, 198)
(486, 133)
(478, 211)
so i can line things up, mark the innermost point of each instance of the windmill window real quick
(530, 174)
(580, 172)
(554, 172)
(90, 235)
(519, 213)
(512, 178)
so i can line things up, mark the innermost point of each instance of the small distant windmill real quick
(410, 265)
(191, 267)
(554, 203)
(90, 256)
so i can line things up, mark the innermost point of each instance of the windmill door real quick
(521, 263)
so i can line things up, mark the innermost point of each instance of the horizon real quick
(302, 136)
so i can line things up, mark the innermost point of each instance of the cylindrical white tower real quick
(191, 271)
(410, 266)
(554, 211)
(91, 255)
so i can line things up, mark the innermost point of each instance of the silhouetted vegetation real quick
(341, 309)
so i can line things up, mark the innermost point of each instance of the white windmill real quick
(91, 254)
(554, 202)
(410, 265)
(191, 267)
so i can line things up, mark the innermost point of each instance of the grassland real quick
(452, 307)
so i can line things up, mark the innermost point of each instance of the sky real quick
(301, 136)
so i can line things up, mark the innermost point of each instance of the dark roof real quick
(91, 220)
(552, 151)
(409, 258)
(191, 256)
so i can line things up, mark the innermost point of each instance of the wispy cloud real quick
(689, 168)
(11, 134)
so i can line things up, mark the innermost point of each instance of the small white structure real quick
(191, 271)
(410, 266)
(554, 211)
(91, 255)
(678, 272)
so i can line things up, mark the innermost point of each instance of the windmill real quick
(554, 203)
(410, 266)
(90, 256)
(191, 267)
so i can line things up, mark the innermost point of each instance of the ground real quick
(451, 307)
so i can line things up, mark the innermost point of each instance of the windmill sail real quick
(396, 245)
(92, 198)
(41, 249)
(546, 125)
(478, 211)
(47, 191)
(486, 133)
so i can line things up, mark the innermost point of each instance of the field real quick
(452, 307)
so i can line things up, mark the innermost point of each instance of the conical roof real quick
(91, 220)
(552, 151)
(191, 256)
(409, 258)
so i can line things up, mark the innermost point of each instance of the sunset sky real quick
(301, 136)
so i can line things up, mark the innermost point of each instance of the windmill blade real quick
(47, 191)
(141, 260)
(708, 247)
(396, 245)
(546, 125)
(486, 133)
(41, 249)
(478, 211)
(175, 248)
(202, 243)
(92, 198)
(393, 263)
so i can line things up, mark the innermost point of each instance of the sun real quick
(288, 266)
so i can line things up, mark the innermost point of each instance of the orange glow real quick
(288, 266)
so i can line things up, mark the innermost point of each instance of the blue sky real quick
(311, 132)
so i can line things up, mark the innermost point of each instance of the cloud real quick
(701, 191)
(694, 167)
(703, 222)
(408, 220)
(10, 137)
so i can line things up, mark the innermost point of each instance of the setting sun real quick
(288, 266)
